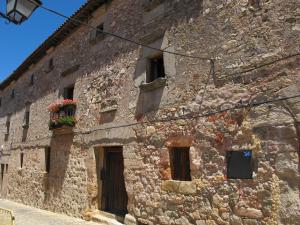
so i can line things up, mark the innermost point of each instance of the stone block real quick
(130, 220)
(179, 141)
(182, 187)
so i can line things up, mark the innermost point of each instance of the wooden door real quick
(114, 192)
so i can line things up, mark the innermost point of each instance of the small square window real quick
(180, 164)
(239, 164)
(156, 68)
(69, 92)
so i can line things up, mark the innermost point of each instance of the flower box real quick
(62, 114)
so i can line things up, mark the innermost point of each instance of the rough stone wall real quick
(254, 44)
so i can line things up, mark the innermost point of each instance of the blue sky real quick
(19, 41)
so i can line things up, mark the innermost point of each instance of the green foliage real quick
(64, 121)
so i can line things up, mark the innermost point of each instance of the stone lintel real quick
(179, 141)
(182, 187)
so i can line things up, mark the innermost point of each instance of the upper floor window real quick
(31, 81)
(69, 92)
(100, 30)
(97, 34)
(12, 94)
(180, 163)
(50, 65)
(8, 124)
(156, 68)
(26, 116)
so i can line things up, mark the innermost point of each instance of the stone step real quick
(105, 220)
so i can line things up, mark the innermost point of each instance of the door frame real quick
(101, 154)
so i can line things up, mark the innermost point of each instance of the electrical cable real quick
(116, 35)
(239, 74)
(239, 106)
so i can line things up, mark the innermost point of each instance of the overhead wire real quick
(249, 105)
(238, 106)
(212, 72)
(119, 36)
(238, 74)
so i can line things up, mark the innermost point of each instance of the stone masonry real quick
(255, 47)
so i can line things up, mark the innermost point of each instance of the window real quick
(97, 34)
(50, 65)
(21, 159)
(69, 92)
(12, 95)
(26, 116)
(100, 29)
(156, 68)
(26, 119)
(47, 159)
(8, 124)
(180, 163)
(239, 164)
(31, 80)
(2, 172)
(0, 101)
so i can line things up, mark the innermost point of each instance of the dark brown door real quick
(115, 196)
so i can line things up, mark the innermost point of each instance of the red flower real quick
(54, 107)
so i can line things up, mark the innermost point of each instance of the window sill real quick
(158, 83)
(109, 109)
(181, 187)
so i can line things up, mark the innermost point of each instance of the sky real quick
(17, 42)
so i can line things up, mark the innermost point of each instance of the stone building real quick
(160, 137)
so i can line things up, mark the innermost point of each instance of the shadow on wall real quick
(59, 159)
(148, 102)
